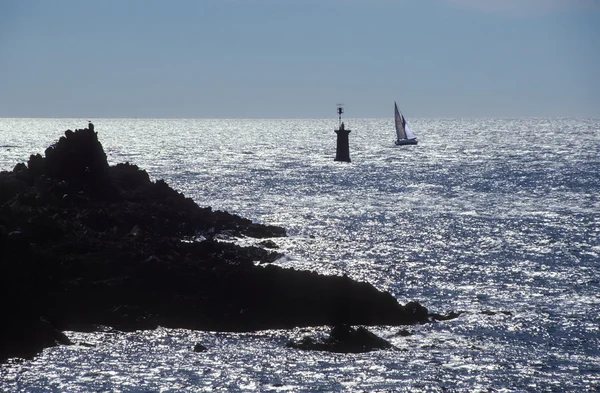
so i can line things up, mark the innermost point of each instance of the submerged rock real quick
(268, 244)
(446, 317)
(83, 244)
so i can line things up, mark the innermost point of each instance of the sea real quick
(496, 218)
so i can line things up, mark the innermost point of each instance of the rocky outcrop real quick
(83, 243)
(344, 339)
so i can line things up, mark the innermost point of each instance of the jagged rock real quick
(77, 157)
(199, 348)
(83, 244)
(416, 311)
(345, 339)
(25, 336)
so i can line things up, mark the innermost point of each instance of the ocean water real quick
(496, 218)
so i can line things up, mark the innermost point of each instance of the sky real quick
(299, 58)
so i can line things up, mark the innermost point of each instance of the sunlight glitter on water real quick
(503, 229)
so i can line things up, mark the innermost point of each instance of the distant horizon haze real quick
(268, 59)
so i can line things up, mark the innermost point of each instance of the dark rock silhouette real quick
(403, 333)
(343, 338)
(489, 312)
(446, 317)
(268, 244)
(85, 244)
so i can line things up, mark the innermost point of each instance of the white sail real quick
(409, 133)
(400, 133)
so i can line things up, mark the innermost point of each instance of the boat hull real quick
(402, 142)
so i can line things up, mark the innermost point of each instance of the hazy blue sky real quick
(299, 58)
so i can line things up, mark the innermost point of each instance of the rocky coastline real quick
(85, 244)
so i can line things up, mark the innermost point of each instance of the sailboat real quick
(403, 131)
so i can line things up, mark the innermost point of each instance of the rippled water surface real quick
(498, 218)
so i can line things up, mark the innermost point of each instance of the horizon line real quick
(297, 118)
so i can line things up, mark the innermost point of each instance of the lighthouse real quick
(342, 152)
